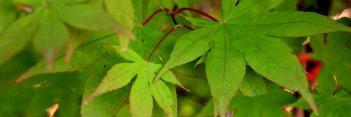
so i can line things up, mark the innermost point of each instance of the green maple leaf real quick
(335, 55)
(333, 105)
(249, 34)
(143, 89)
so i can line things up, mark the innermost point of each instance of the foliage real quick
(120, 58)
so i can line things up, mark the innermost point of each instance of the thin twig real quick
(163, 38)
(104, 37)
(199, 12)
(153, 14)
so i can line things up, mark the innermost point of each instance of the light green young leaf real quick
(251, 7)
(16, 36)
(188, 48)
(326, 81)
(50, 37)
(173, 90)
(103, 106)
(129, 54)
(163, 96)
(85, 17)
(117, 77)
(252, 84)
(141, 102)
(40, 68)
(225, 69)
(273, 59)
(289, 24)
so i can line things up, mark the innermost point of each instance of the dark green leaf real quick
(141, 102)
(334, 107)
(326, 81)
(336, 63)
(269, 105)
(289, 24)
(287, 5)
(252, 84)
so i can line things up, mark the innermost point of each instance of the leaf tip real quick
(186, 89)
(89, 99)
(21, 78)
(313, 106)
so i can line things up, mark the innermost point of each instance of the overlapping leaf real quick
(328, 51)
(46, 25)
(50, 37)
(10, 40)
(252, 84)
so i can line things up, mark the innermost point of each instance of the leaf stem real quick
(199, 12)
(153, 14)
(101, 38)
(163, 38)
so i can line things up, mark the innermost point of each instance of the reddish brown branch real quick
(153, 14)
(199, 12)
(163, 38)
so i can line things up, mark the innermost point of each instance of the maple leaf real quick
(328, 49)
(250, 35)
